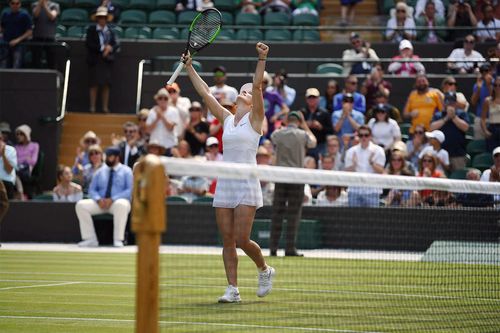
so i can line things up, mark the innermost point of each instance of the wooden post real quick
(148, 222)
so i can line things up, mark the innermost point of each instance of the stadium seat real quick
(60, 31)
(63, 4)
(74, 16)
(276, 18)
(203, 200)
(133, 16)
(248, 19)
(249, 34)
(226, 34)
(482, 161)
(329, 68)
(405, 128)
(225, 5)
(459, 174)
(166, 33)
(306, 35)
(176, 198)
(184, 34)
(137, 33)
(87, 3)
(186, 17)
(121, 3)
(227, 18)
(476, 147)
(278, 35)
(142, 4)
(196, 65)
(162, 17)
(118, 31)
(43, 197)
(166, 4)
(76, 32)
(306, 19)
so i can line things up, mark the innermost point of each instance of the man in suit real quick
(130, 150)
(102, 45)
(110, 192)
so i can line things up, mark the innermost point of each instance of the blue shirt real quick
(121, 187)
(359, 102)
(15, 24)
(482, 96)
(346, 126)
(11, 155)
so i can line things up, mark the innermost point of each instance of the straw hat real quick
(102, 11)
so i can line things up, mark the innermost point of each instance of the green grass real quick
(94, 292)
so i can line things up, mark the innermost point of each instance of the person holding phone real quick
(360, 58)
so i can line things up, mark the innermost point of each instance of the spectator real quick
(421, 6)
(16, 27)
(488, 29)
(374, 84)
(493, 174)
(381, 98)
(274, 104)
(182, 104)
(454, 123)
(360, 58)
(406, 63)
(310, 163)
(212, 150)
(304, 7)
(264, 157)
(5, 132)
(347, 120)
(491, 112)
(385, 130)
(248, 6)
(427, 167)
(350, 87)
(318, 120)
(332, 196)
(197, 131)
(82, 151)
(156, 148)
(130, 150)
(325, 162)
(482, 89)
(275, 6)
(474, 199)
(8, 165)
(109, 192)
(461, 15)
(221, 90)
(465, 60)
(396, 197)
(449, 84)
(333, 149)
(431, 20)
(440, 199)
(86, 173)
(27, 157)
(364, 157)
(291, 144)
(416, 145)
(326, 101)
(400, 25)
(497, 63)
(280, 86)
(162, 120)
(193, 187)
(436, 139)
(142, 116)
(183, 150)
(422, 103)
(347, 11)
(45, 14)
(113, 10)
(216, 128)
(195, 5)
(102, 45)
(66, 190)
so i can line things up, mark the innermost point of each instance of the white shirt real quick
(183, 104)
(224, 92)
(363, 157)
(442, 155)
(11, 155)
(341, 201)
(492, 29)
(463, 60)
(385, 132)
(485, 177)
(409, 28)
(166, 137)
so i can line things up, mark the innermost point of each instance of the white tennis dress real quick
(240, 146)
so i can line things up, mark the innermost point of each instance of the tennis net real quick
(418, 255)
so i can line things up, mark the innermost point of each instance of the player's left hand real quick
(262, 49)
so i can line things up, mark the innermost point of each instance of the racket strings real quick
(205, 29)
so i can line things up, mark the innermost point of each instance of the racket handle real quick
(176, 73)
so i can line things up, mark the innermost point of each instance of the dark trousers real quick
(287, 203)
(39, 50)
(9, 188)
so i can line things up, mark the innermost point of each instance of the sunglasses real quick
(172, 91)
(363, 135)
(419, 132)
(19, 134)
(401, 11)
(213, 146)
(427, 161)
(162, 98)
(195, 109)
(347, 101)
(468, 41)
(94, 153)
(90, 142)
(451, 83)
(130, 131)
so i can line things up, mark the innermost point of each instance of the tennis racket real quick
(202, 32)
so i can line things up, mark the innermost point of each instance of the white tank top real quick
(240, 141)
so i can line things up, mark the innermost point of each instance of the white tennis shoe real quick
(265, 281)
(89, 243)
(232, 295)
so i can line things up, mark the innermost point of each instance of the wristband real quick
(262, 59)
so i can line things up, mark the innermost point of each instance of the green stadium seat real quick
(278, 35)
(196, 65)
(121, 3)
(166, 4)
(63, 4)
(186, 17)
(277, 18)
(184, 34)
(248, 19)
(225, 5)
(249, 34)
(227, 18)
(405, 128)
(74, 16)
(203, 200)
(176, 198)
(482, 161)
(76, 32)
(133, 16)
(459, 174)
(162, 17)
(43, 197)
(226, 34)
(329, 68)
(306, 19)
(142, 4)
(306, 35)
(60, 30)
(87, 3)
(476, 147)
(166, 33)
(137, 33)
(118, 31)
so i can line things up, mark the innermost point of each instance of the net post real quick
(148, 222)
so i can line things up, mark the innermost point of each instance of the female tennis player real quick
(236, 201)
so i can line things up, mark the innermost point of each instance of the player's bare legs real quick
(225, 223)
(243, 221)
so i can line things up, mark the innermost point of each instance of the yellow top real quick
(426, 104)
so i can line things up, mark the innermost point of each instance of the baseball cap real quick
(196, 106)
(294, 114)
(312, 92)
(405, 44)
(212, 141)
(347, 97)
(354, 35)
(496, 151)
(436, 134)
(220, 71)
(112, 151)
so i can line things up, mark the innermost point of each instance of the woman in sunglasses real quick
(427, 167)
(490, 117)
(416, 145)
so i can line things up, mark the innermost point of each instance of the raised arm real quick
(202, 89)
(257, 115)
